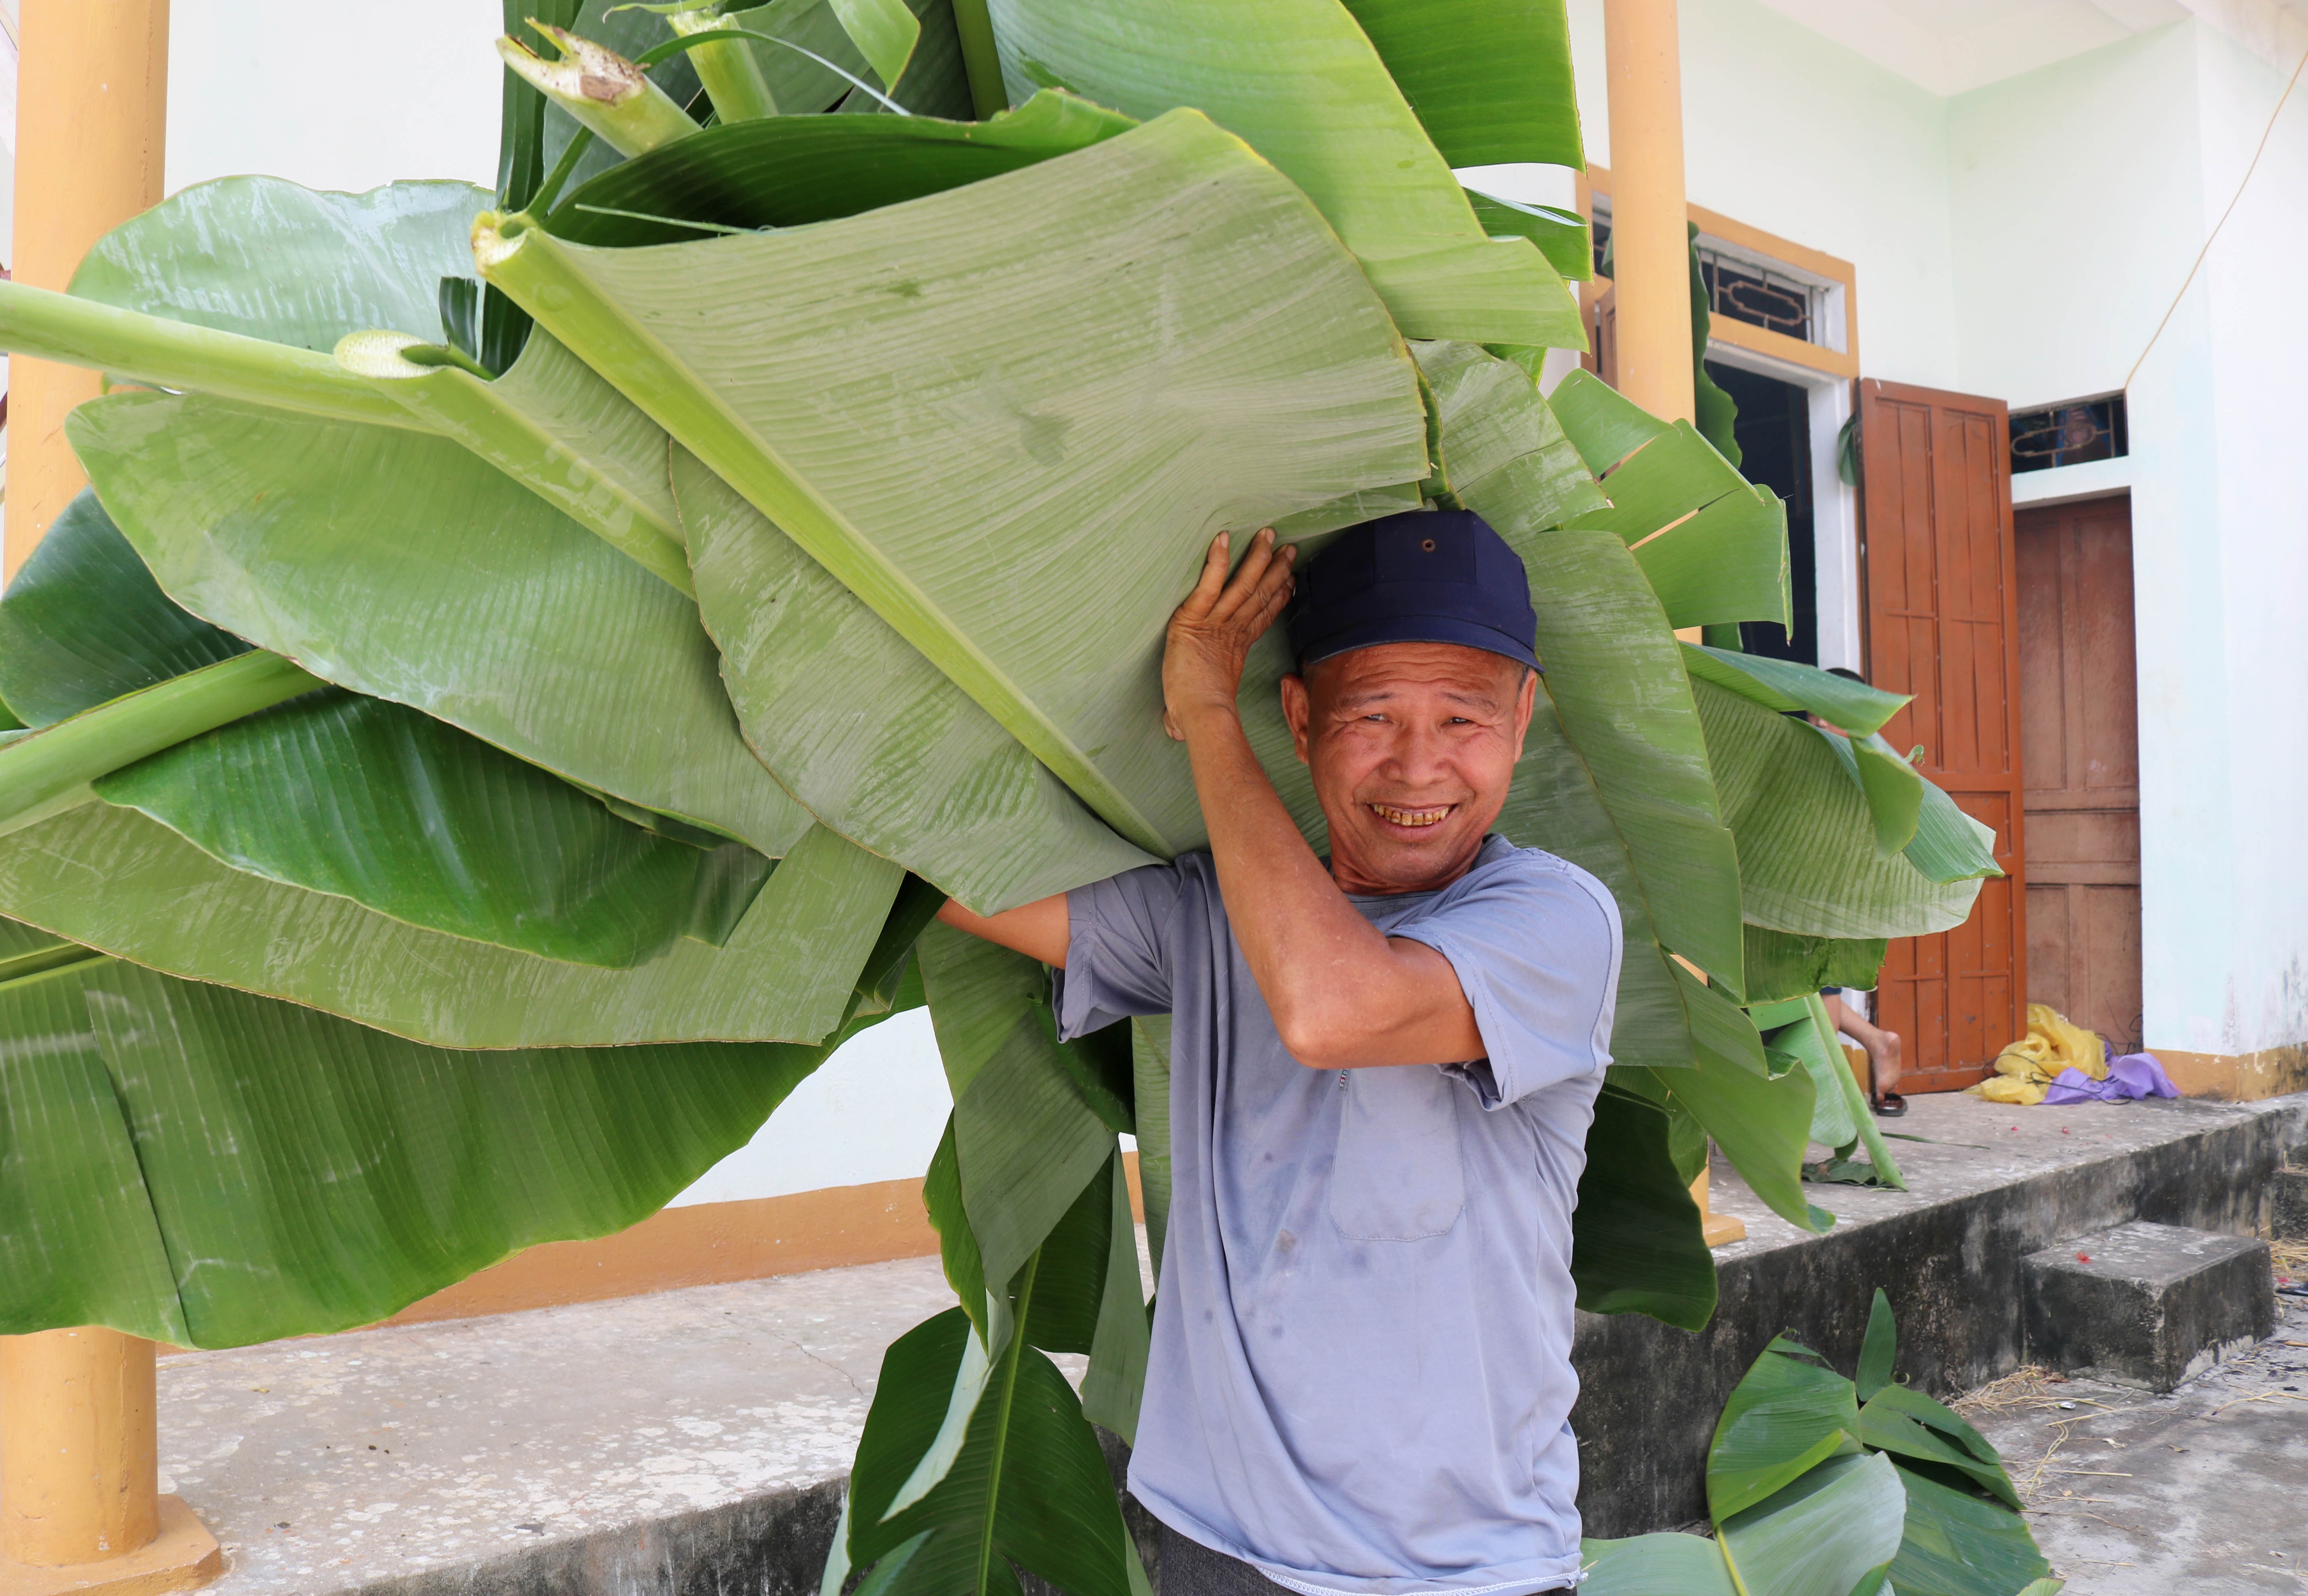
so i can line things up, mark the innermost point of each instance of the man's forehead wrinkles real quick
(1383, 692)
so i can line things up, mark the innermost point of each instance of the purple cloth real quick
(2129, 1078)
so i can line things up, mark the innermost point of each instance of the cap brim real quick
(1420, 628)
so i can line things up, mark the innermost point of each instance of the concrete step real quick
(2148, 1305)
(1988, 1187)
(2287, 1201)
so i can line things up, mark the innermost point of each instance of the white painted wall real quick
(1788, 132)
(2248, 675)
(344, 97)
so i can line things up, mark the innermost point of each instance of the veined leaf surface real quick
(198, 1165)
(1491, 80)
(404, 567)
(112, 879)
(864, 729)
(84, 622)
(266, 258)
(1808, 861)
(786, 171)
(1300, 80)
(1138, 345)
(365, 799)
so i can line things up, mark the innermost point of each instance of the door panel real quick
(1942, 607)
(2079, 714)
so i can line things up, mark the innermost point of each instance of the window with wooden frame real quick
(1767, 295)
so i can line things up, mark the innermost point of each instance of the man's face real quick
(1412, 745)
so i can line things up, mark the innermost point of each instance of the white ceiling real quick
(1950, 46)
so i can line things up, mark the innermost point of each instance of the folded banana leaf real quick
(204, 1167)
(1302, 82)
(1063, 461)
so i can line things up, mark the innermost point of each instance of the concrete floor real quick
(2202, 1490)
(340, 1462)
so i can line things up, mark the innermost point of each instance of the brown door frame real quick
(2011, 853)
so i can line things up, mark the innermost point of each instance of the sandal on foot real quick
(1890, 1105)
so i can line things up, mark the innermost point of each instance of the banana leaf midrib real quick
(134, 347)
(46, 765)
(483, 417)
(535, 271)
(25, 969)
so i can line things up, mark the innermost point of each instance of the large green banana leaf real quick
(310, 272)
(263, 257)
(197, 1165)
(404, 567)
(338, 794)
(1152, 284)
(1027, 1138)
(1491, 81)
(1808, 861)
(785, 171)
(1301, 81)
(114, 880)
(1026, 1485)
(61, 653)
(364, 799)
(1714, 547)
(861, 727)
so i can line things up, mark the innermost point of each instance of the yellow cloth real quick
(2025, 1069)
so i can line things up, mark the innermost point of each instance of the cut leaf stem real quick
(39, 770)
(160, 353)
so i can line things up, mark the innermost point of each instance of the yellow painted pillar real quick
(79, 1476)
(91, 102)
(79, 1504)
(1650, 250)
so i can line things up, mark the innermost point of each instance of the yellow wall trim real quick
(2238, 1077)
(709, 1244)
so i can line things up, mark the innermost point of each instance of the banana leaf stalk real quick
(157, 353)
(602, 90)
(49, 770)
(727, 68)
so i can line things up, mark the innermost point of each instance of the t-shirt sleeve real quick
(1117, 949)
(1535, 947)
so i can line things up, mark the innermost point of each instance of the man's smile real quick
(1432, 816)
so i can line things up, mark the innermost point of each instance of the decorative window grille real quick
(2069, 432)
(1758, 293)
(1755, 294)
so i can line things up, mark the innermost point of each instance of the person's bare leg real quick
(1882, 1051)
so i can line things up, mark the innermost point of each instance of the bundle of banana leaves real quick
(531, 664)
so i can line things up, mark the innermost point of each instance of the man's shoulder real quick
(1502, 867)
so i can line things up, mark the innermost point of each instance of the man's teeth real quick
(1410, 816)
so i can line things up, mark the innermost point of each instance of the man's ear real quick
(1526, 703)
(1298, 710)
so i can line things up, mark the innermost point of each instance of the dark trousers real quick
(1190, 1568)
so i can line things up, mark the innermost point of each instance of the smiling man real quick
(1382, 1068)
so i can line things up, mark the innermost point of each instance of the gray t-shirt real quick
(1361, 1374)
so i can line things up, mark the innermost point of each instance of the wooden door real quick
(2079, 745)
(1942, 624)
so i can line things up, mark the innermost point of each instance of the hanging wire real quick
(2198, 265)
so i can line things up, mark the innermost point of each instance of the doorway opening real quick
(1774, 435)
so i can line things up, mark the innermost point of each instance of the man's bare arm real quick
(1037, 929)
(1343, 995)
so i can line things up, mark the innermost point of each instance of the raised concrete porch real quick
(694, 1441)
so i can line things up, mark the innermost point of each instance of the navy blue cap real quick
(1422, 576)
